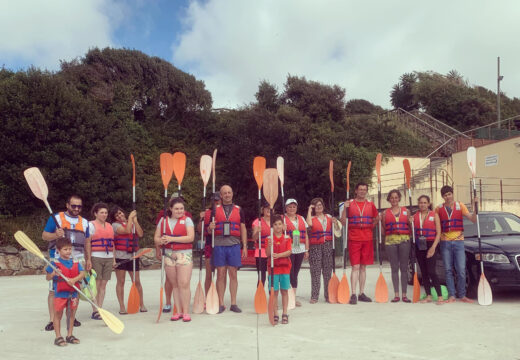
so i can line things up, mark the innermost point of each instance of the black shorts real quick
(127, 266)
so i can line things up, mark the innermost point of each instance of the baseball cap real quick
(291, 201)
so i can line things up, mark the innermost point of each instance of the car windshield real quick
(493, 224)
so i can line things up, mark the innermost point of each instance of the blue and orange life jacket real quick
(317, 235)
(125, 242)
(360, 218)
(427, 229)
(234, 221)
(453, 222)
(301, 226)
(178, 230)
(103, 238)
(77, 235)
(265, 232)
(397, 227)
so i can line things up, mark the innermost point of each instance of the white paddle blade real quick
(279, 168)
(485, 296)
(472, 160)
(37, 183)
(205, 168)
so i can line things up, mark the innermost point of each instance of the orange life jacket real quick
(178, 230)
(278, 247)
(61, 284)
(265, 232)
(301, 227)
(360, 218)
(103, 238)
(77, 235)
(125, 242)
(234, 221)
(317, 235)
(397, 227)
(453, 222)
(428, 226)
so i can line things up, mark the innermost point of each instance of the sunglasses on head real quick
(76, 206)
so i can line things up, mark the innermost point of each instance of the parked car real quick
(500, 239)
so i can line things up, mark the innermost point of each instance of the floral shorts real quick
(175, 258)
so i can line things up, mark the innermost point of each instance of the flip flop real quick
(143, 310)
(72, 339)
(59, 341)
(123, 313)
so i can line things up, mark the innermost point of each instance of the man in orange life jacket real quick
(71, 225)
(452, 242)
(230, 229)
(362, 217)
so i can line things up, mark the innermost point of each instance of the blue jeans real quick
(453, 254)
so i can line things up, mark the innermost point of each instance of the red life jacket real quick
(428, 226)
(125, 242)
(61, 284)
(265, 232)
(317, 235)
(453, 222)
(400, 227)
(234, 221)
(103, 238)
(179, 230)
(77, 235)
(279, 247)
(358, 220)
(301, 227)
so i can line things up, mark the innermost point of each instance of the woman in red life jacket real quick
(427, 227)
(100, 249)
(262, 226)
(125, 247)
(297, 230)
(176, 234)
(397, 242)
(320, 248)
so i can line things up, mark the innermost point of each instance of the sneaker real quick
(221, 309)
(364, 298)
(76, 323)
(235, 308)
(167, 308)
(353, 300)
(49, 326)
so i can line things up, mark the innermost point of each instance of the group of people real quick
(77, 246)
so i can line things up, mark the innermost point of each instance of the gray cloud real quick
(362, 46)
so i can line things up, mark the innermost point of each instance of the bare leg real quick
(354, 278)
(285, 301)
(233, 284)
(120, 289)
(168, 292)
(183, 281)
(139, 287)
(101, 289)
(276, 302)
(221, 283)
(362, 278)
(50, 304)
(57, 322)
(171, 276)
(71, 322)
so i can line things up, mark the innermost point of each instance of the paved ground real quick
(365, 331)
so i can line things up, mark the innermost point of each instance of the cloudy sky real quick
(363, 46)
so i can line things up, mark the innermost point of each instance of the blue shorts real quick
(227, 256)
(280, 280)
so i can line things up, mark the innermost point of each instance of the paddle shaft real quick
(333, 235)
(380, 227)
(259, 233)
(414, 257)
(272, 249)
(478, 227)
(202, 236)
(346, 237)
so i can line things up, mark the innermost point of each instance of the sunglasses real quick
(76, 206)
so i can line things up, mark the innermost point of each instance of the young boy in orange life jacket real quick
(64, 294)
(282, 249)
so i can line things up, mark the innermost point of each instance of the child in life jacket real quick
(64, 294)
(281, 253)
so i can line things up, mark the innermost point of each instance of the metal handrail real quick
(426, 123)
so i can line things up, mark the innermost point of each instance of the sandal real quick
(313, 301)
(285, 319)
(123, 312)
(95, 316)
(176, 317)
(186, 318)
(396, 299)
(143, 310)
(49, 326)
(72, 339)
(406, 300)
(59, 341)
(276, 318)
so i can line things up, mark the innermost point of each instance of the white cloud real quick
(43, 32)
(362, 46)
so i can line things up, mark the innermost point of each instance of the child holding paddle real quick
(262, 226)
(282, 249)
(64, 294)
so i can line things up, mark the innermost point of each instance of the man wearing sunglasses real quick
(71, 225)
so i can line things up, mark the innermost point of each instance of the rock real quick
(28, 272)
(9, 250)
(5, 272)
(10, 262)
(31, 261)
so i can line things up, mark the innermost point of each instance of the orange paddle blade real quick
(343, 290)
(381, 289)
(160, 304)
(212, 304)
(331, 175)
(133, 300)
(260, 299)
(379, 157)
(279, 168)
(485, 296)
(179, 166)
(407, 172)
(258, 170)
(205, 168)
(333, 289)
(348, 177)
(198, 299)
(271, 307)
(166, 160)
(270, 186)
(291, 303)
(416, 289)
(133, 169)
